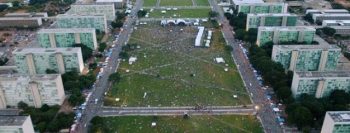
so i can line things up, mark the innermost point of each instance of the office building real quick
(16, 124)
(326, 11)
(262, 8)
(320, 84)
(336, 23)
(32, 14)
(66, 37)
(40, 60)
(336, 122)
(240, 2)
(341, 30)
(117, 3)
(81, 21)
(20, 22)
(307, 57)
(282, 19)
(280, 35)
(94, 9)
(319, 18)
(34, 90)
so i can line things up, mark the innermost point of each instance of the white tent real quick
(132, 60)
(219, 60)
(199, 36)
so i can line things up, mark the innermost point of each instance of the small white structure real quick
(219, 60)
(174, 9)
(276, 109)
(117, 99)
(234, 96)
(199, 36)
(210, 33)
(226, 69)
(132, 60)
(154, 124)
(207, 43)
(163, 11)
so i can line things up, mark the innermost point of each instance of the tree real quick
(141, 13)
(115, 77)
(328, 31)
(123, 55)
(3, 7)
(240, 33)
(50, 71)
(45, 108)
(3, 61)
(86, 51)
(16, 4)
(22, 105)
(301, 116)
(117, 24)
(213, 14)
(308, 17)
(251, 36)
(102, 47)
(339, 97)
(228, 48)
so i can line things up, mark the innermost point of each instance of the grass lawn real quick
(177, 124)
(202, 2)
(170, 71)
(176, 3)
(183, 13)
(149, 2)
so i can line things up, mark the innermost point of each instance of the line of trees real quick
(74, 83)
(46, 117)
(238, 21)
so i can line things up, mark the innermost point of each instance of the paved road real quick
(102, 84)
(151, 111)
(265, 113)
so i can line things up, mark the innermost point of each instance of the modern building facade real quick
(16, 124)
(264, 19)
(106, 9)
(239, 2)
(99, 22)
(336, 23)
(341, 30)
(33, 14)
(262, 8)
(66, 37)
(34, 90)
(336, 122)
(307, 57)
(320, 84)
(326, 11)
(280, 35)
(40, 60)
(319, 18)
(117, 3)
(20, 22)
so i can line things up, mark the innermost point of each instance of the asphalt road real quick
(102, 84)
(190, 110)
(265, 112)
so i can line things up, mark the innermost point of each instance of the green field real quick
(177, 124)
(174, 73)
(149, 2)
(202, 2)
(176, 3)
(183, 13)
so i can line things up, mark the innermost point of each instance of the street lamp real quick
(257, 107)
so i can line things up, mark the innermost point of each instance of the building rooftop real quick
(38, 77)
(271, 14)
(33, 14)
(336, 21)
(326, 11)
(12, 120)
(301, 47)
(287, 28)
(317, 74)
(109, 1)
(78, 16)
(340, 27)
(46, 50)
(66, 30)
(335, 15)
(20, 18)
(9, 111)
(238, 2)
(264, 4)
(92, 4)
(340, 116)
